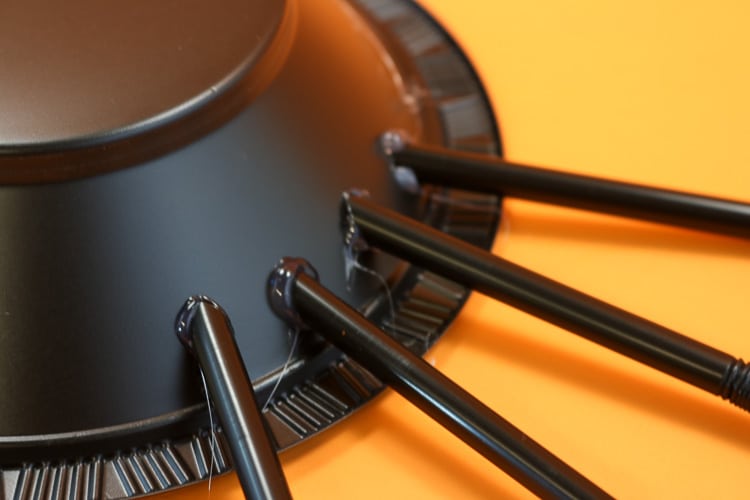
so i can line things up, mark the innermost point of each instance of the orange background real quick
(651, 92)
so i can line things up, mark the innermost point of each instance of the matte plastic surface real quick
(640, 91)
(90, 86)
(94, 270)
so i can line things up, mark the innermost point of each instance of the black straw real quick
(621, 331)
(205, 330)
(296, 296)
(414, 164)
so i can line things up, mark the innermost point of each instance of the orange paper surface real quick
(649, 92)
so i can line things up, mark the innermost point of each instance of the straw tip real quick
(185, 317)
(392, 142)
(353, 240)
(406, 179)
(280, 286)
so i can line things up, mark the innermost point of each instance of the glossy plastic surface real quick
(496, 439)
(640, 91)
(206, 331)
(621, 331)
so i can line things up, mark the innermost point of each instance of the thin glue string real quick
(504, 228)
(471, 204)
(285, 368)
(383, 283)
(353, 244)
(503, 234)
(212, 442)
